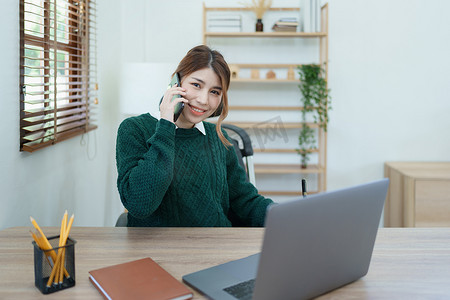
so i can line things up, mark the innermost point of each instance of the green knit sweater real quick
(180, 177)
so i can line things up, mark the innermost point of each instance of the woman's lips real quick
(196, 111)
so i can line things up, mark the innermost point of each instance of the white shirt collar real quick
(200, 126)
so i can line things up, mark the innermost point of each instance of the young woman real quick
(186, 173)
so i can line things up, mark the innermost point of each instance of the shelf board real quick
(274, 150)
(262, 125)
(266, 34)
(265, 66)
(250, 80)
(267, 108)
(287, 169)
(209, 8)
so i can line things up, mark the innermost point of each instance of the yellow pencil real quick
(36, 239)
(67, 231)
(58, 258)
(69, 226)
(54, 276)
(45, 242)
(39, 243)
(59, 274)
(53, 273)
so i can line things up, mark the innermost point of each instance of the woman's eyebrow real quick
(202, 82)
(198, 79)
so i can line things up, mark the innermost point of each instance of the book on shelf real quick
(138, 279)
(225, 23)
(224, 29)
(286, 24)
(284, 28)
(282, 23)
(306, 15)
(311, 15)
(317, 15)
(291, 19)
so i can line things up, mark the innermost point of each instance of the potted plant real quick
(307, 142)
(316, 100)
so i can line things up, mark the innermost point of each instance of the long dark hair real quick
(201, 57)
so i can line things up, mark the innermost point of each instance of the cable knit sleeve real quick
(246, 203)
(145, 159)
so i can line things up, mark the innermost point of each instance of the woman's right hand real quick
(167, 106)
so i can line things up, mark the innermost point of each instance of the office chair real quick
(122, 221)
(244, 152)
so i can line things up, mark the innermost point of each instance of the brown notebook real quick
(139, 279)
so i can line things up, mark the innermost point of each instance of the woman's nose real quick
(202, 98)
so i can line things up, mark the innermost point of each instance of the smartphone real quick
(179, 107)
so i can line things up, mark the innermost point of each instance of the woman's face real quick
(204, 93)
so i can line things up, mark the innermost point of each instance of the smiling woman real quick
(185, 173)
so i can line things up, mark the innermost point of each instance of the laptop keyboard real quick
(241, 291)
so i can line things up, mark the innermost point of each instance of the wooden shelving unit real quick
(318, 169)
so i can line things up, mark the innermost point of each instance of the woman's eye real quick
(196, 84)
(216, 92)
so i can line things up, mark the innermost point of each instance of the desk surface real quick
(407, 263)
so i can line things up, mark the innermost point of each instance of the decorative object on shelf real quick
(234, 70)
(254, 74)
(315, 98)
(259, 27)
(259, 7)
(290, 74)
(271, 75)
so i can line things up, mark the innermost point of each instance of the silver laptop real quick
(311, 246)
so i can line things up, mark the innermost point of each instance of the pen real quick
(304, 192)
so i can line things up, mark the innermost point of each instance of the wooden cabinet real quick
(419, 194)
(277, 108)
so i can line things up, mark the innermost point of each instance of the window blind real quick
(58, 71)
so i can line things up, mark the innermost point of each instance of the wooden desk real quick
(408, 263)
(419, 194)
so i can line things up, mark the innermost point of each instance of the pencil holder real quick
(44, 261)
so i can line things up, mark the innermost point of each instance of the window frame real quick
(55, 122)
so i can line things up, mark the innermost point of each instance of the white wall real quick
(390, 81)
(70, 175)
(388, 73)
